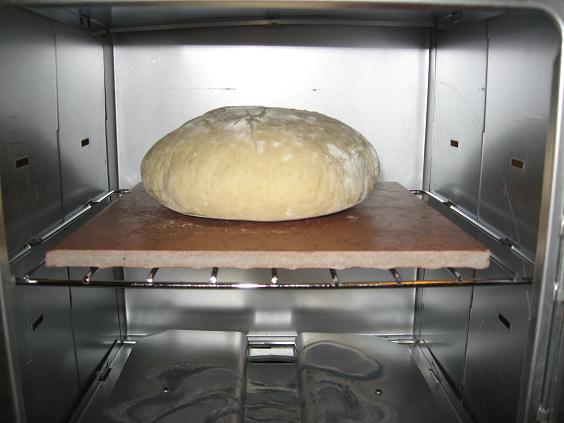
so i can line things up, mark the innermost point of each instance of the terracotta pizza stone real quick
(392, 228)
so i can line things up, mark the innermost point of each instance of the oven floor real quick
(205, 376)
(272, 393)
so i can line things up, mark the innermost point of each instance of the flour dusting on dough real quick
(227, 164)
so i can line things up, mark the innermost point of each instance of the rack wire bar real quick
(502, 239)
(396, 275)
(89, 275)
(274, 279)
(50, 233)
(456, 274)
(152, 274)
(213, 276)
(29, 281)
(334, 276)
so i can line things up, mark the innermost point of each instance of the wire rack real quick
(332, 282)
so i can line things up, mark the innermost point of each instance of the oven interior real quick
(456, 102)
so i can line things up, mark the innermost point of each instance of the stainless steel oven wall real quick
(96, 324)
(492, 78)
(386, 312)
(497, 337)
(46, 353)
(82, 118)
(460, 91)
(522, 49)
(442, 318)
(372, 78)
(53, 159)
(28, 127)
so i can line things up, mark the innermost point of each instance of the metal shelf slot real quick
(510, 244)
(45, 236)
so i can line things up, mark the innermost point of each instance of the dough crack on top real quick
(260, 164)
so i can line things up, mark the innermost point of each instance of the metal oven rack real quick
(396, 281)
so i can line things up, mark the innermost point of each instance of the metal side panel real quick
(110, 94)
(522, 50)
(444, 325)
(459, 114)
(442, 315)
(373, 79)
(496, 348)
(557, 379)
(46, 351)
(95, 324)
(505, 257)
(28, 126)
(11, 397)
(82, 120)
(272, 312)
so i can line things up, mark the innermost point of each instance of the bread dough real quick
(262, 164)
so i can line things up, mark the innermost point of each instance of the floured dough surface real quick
(261, 164)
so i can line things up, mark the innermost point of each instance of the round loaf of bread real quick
(260, 164)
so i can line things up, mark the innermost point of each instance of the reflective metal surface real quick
(179, 376)
(95, 325)
(468, 219)
(45, 236)
(111, 140)
(28, 126)
(82, 119)
(460, 78)
(444, 326)
(507, 261)
(94, 402)
(363, 378)
(88, 281)
(357, 274)
(128, 17)
(399, 380)
(11, 398)
(33, 59)
(266, 312)
(557, 412)
(437, 381)
(272, 393)
(373, 79)
(522, 50)
(549, 251)
(441, 314)
(46, 351)
(497, 338)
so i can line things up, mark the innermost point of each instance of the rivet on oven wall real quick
(518, 163)
(85, 142)
(24, 161)
(454, 143)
